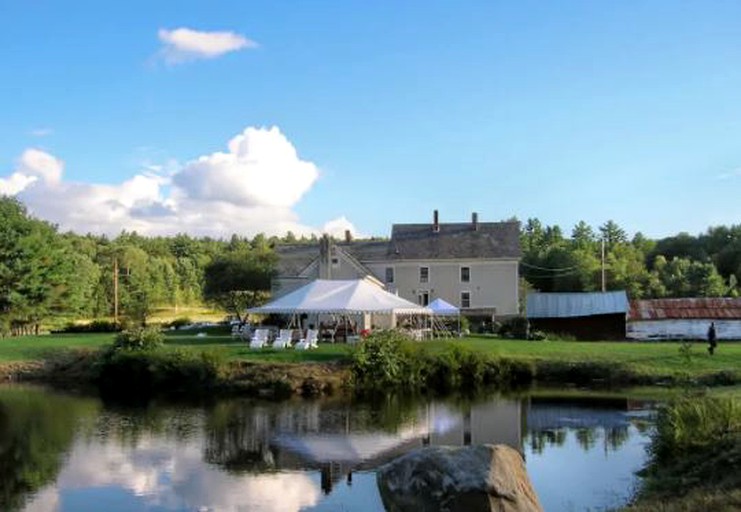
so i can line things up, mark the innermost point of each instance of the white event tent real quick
(442, 308)
(342, 298)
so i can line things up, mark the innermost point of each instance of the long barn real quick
(684, 319)
(586, 316)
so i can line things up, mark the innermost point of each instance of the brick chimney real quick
(475, 221)
(435, 222)
(348, 236)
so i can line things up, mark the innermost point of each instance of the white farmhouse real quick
(472, 265)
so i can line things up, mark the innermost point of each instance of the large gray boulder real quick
(453, 479)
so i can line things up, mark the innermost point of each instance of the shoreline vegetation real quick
(218, 362)
(695, 454)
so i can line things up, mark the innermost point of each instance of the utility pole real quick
(603, 264)
(115, 291)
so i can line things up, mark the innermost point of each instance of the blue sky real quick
(383, 111)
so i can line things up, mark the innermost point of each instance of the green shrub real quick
(94, 326)
(455, 368)
(179, 322)
(465, 324)
(539, 336)
(139, 338)
(690, 423)
(385, 359)
(515, 327)
(134, 373)
(511, 373)
(390, 361)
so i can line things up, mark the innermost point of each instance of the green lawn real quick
(650, 358)
(646, 358)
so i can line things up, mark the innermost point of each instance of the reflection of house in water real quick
(493, 422)
(340, 450)
(337, 439)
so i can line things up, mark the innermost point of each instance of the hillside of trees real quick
(708, 265)
(48, 277)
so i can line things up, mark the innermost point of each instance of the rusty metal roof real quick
(701, 308)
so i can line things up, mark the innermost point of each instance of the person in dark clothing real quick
(712, 343)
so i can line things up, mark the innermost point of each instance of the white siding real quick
(493, 284)
(682, 329)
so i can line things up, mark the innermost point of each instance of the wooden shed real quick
(586, 316)
(684, 319)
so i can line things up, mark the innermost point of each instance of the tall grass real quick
(695, 457)
(691, 423)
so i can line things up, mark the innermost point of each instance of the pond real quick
(66, 453)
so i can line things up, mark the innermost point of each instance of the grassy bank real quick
(555, 361)
(695, 459)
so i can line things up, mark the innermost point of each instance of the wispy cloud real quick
(185, 44)
(734, 173)
(41, 132)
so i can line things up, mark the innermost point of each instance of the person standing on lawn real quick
(712, 343)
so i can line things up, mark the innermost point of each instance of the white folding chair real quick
(310, 341)
(284, 339)
(259, 338)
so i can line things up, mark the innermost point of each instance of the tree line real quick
(48, 277)
(707, 265)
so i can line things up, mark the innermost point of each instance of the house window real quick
(465, 274)
(465, 300)
(335, 262)
(423, 297)
(389, 274)
(424, 274)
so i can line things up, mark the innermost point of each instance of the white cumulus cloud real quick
(34, 162)
(261, 168)
(185, 44)
(250, 188)
(15, 183)
(337, 228)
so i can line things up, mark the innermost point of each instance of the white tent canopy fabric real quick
(441, 307)
(345, 297)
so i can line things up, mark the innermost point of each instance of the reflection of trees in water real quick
(36, 430)
(616, 437)
(587, 437)
(388, 413)
(128, 426)
(237, 437)
(539, 440)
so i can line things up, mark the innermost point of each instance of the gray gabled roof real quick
(488, 240)
(366, 250)
(294, 258)
(455, 241)
(562, 305)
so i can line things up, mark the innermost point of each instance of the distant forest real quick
(48, 277)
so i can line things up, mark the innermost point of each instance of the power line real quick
(563, 269)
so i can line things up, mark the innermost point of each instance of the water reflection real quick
(77, 455)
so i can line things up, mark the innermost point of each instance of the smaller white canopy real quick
(441, 307)
(348, 297)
